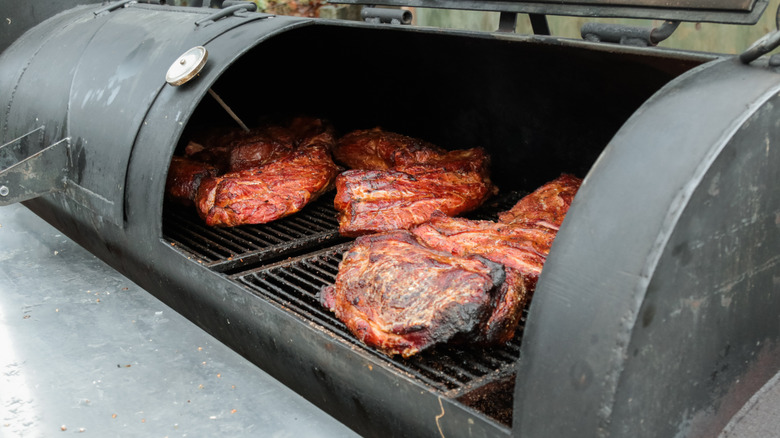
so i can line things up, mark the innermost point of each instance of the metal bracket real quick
(628, 35)
(26, 177)
(507, 22)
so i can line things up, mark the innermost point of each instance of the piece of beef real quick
(547, 205)
(184, 177)
(405, 195)
(239, 177)
(257, 151)
(264, 145)
(258, 195)
(238, 150)
(401, 297)
(376, 149)
(520, 241)
(514, 248)
(520, 245)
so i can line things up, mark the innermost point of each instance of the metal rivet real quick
(4, 191)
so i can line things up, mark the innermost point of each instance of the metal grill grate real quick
(295, 285)
(228, 249)
(252, 255)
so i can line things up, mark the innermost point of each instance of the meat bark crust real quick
(184, 177)
(263, 194)
(547, 205)
(373, 201)
(376, 149)
(255, 177)
(520, 244)
(397, 182)
(402, 297)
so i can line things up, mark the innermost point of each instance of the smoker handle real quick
(27, 177)
(230, 10)
(628, 35)
(764, 45)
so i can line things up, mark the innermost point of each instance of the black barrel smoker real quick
(657, 313)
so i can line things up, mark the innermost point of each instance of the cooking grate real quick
(290, 260)
(295, 284)
(228, 249)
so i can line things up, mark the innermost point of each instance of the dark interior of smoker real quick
(539, 109)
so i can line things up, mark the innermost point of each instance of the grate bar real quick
(198, 247)
(298, 273)
(210, 236)
(266, 238)
(250, 240)
(231, 249)
(307, 303)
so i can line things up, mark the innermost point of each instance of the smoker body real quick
(655, 313)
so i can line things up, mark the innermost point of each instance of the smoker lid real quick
(722, 11)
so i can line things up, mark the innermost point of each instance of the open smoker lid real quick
(721, 11)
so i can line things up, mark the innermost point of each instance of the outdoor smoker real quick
(656, 313)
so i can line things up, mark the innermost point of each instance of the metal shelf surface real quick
(86, 350)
